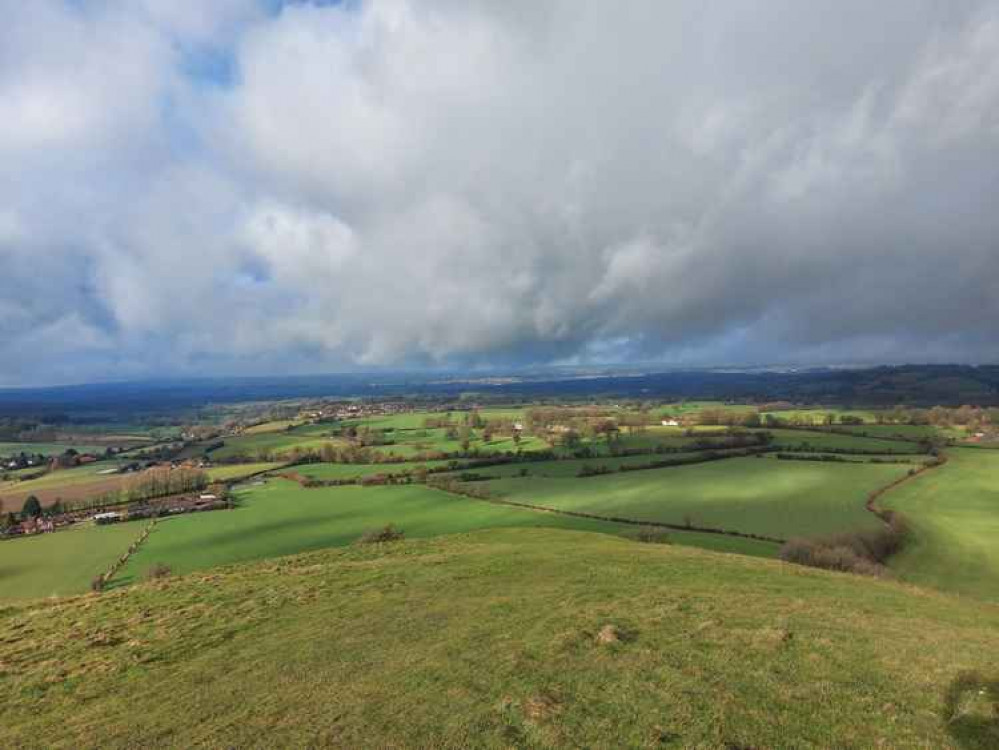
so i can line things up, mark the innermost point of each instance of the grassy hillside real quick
(752, 495)
(282, 518)
(513, 638)
(954, 512)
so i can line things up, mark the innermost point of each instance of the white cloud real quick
(395, 181)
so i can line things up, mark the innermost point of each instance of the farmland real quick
(79, 483)
(47, 449)
(497, 639)
(750, 495)
(267, 444)
(235, 472)
(63, 563)
(326, 471)
(526, 531)
(280, 518)
(954, 512)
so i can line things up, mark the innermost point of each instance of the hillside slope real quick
(528, 638)
(954, 515)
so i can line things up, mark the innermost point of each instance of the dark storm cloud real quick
(399, 182)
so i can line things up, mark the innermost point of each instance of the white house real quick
(670, 423)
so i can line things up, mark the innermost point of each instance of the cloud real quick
(399, 183)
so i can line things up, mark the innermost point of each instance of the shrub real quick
(861, 552)
(158, 572)
(388, 533)
(651, 535)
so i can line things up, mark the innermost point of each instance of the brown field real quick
(12, 496)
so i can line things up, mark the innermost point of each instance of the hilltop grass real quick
(62, 563)
(954, 515)
(281, 518)
(509, 638)
(750, 495)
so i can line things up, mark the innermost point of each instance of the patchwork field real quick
(954, 512)
(62, 563)
(819, 441)
(281, 518)
(239, 471)
(79, 483)
(507, 638)
(327, 472)
(750, 495)
(266, 444)
(48, 449)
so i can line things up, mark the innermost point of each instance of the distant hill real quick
(916, 385)
(516, 638)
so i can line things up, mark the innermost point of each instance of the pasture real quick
(824, 441)
(265, 445)
(954, 514)
(234, 472)
(48, 449)
(62, 563)
(282, 518)
(749, 495)
(327, 472)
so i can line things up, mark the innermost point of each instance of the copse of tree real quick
(162, 481)
(32, 507)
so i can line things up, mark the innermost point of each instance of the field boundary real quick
(103, 579)
(886, 514)
(614, 519)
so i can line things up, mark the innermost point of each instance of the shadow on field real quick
(971, 711)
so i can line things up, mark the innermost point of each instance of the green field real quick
(750, 495)
(327, 472)
(491, 640)
(954, 512)
(269, 443)
(570, 468)
(832, 441)
(239, 471)
(281, 518)
(276, 426)
(61, 563)
(48, 449)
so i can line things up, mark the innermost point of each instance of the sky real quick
(263, 187)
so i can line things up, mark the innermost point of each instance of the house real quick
(670, 423)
